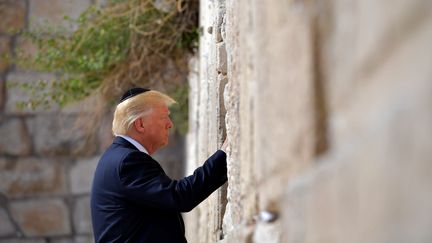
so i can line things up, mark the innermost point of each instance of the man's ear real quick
(139, 125)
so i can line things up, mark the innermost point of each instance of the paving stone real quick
(31, 176)
(46, 217)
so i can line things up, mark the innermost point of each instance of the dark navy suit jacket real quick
(133, 200)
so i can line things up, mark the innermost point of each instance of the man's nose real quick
(170, 124)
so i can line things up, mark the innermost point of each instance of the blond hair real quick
(136, 107)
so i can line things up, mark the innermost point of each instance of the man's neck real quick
(136, 143)
(143, 143)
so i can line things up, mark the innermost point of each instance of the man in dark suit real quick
(132, 199)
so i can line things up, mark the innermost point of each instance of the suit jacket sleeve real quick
(145, 182)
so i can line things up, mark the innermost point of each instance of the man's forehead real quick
(162, 108)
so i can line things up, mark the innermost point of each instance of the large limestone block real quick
(53, 134)
(2, 93)
(17, 94)
(371, 33)
(400, 79)
(82, 216)
(81, 175)
(87, 106)
(284, 97)
(240, 235)
(47, 217)
(51, 13)
(76, 239)
(374, 191)
(26, 50)
(13, 14)
(374, 185)
(5, 52)
(31, 176)
(6, 226)
(14, 139)
(21, 240)
(267, 232)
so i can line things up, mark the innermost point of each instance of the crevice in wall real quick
(319, 93)
(222, 194)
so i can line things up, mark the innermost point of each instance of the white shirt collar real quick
(135, 143)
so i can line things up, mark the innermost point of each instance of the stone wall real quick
(327, 116)
(45, 164)
(46, 160)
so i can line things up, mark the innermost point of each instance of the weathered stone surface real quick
(105, 136)
(48, 217)
(87, 106)
(6, 227)
(218, 24)
(14, 138)
(5, 53)
(238, 95)
(26, 50)
(372, 37)
(17, 94)
(371, 187)
(65, 137)
(2, 94)
(240, 235)
(31, 176)
(81, 175)
(53, 12)
(13, 14)
(221, 58)
(318, 100)
(207, 126)
(267, 232)
(164, 5)
(284, 92)
(20, 240)
(76, 239)
(82, 216)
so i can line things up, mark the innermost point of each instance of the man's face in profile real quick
(157, 125)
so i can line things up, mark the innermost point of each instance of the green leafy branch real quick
(127, 43)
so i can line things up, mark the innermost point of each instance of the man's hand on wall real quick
(225, 145)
